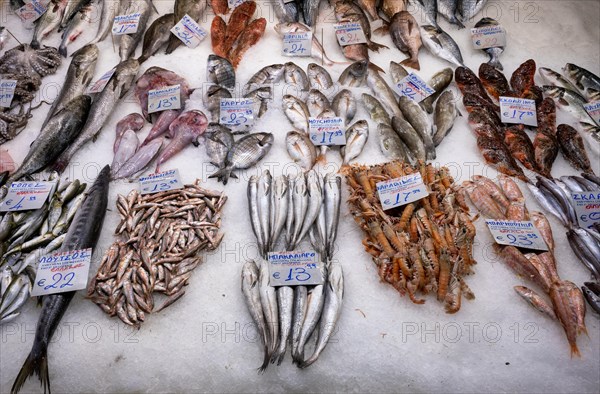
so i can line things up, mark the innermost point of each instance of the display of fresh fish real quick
(128, 43)
(128, 145)
(586, 82)
(356, 139)
(438, 82)
(318, 77)
(494, 82)
(552, 77)
(76, 26)
(265, 76)
(110, 8)
(140, 160)
(390, 143)
(382, 92)
(246, 152)
(79, 75)
(440, 44)
(279, 210)
(397, 72)
(268, 300)
(194, 9)
(420, 122)
(314, 307)
(83, 233)
(404, 30)
(410, 138)
(297, 112)
(449, 9)
(101, 109)
(444, 116)
(376, 110)
(355, 74)
(301, 149)
(316, 103)
(186, 129)
(572, 148)
(493, 52)
(157, 35)
(133, 121)
(218, 142)
(220, 71)
(344, 105)
(568, 101)
(47, 22)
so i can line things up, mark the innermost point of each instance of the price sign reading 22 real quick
(58, 278)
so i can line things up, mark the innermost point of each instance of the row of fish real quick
(160, 238)
(292, 208)
(506, 201)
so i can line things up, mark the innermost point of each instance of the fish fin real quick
(142, 58)
(37, 362)
(459, 113)
(411, 63)
(382, 30)
(223, 175)
(233, 176)
(376, 46)
(266, 359)
(375, 67)
(575, 350)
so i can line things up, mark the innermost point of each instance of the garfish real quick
(107, 16)
(586, 82)
(48, 22)
(493, 52)
(144, 155)
(344, 105)
(133, 121)
(316, 103)
(251, 292)
(220, 71)
(572, 148)
(420, 122)
(265, 76)
(297, 112)
(218, 142)
(249, 36)
(79, 75)
(60, 131)
(128, 145)
(444, 116)
(332, 307)
(376, 110)
(448, 9)
(404, 30)
(76, 26)
(438, 82)
(82, 234)
(356, 139)
(246, 152)
(410, 138)
(186, 129)
(440, 44)
(355, 74)
(318, 77)
(390, 143)
(301, 149)
(383, 92)
(101, 109)
(194, 9)
(157, 35)
(129, 42)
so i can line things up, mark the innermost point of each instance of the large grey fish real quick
(344, 105)
(246, 152)
(410, 137)
(356, 139)
(83, 233)
(467, 9)
(265, 76)
(107, 17)
(297, 112)
(586, 82)
(279, 209)
(79, 75)
(355, 74)
(332, 307)
(101, 109)
(438, 82)
(156, 36)
(390, 143)
(568, 100)
(314, 307)
(440, 44)
(60, 131)
(220, 71)
(316, 103)
(285, 305)
(494, 52)
(419, 120)
(332, 191)
(251, 292)
(405, 34)
(128, 42)
(268, 300)
(194, 9)
(383, 92)
(376, 110)
(397, 72)
(301, 149)
(47, 22)
(318, 77)
(445, 114)
(449, 10)
(218, 141)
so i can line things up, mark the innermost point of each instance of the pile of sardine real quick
(555, 196)
(506, 202)
(160, 235)
(422, 247)
(305, 204)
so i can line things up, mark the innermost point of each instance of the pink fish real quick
(133, 121)
(185, 130)
(140, 160)
(127, 148)
(6, 162)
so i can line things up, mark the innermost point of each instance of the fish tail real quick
(374, 46)
(375, 67)
(142, 58)
(494, 62)
(574, 350)
(309, 362)
(382, 30)
(266, 359)
(222, 174)
(458, 23)
(173, 44)
(412, 63)
(37, 362)
(62, 50)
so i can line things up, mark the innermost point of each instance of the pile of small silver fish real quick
(286, 315)
(554, 195)
(28, 235)
(161, 235)
(506, 202)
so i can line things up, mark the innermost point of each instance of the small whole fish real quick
(376, 110)
(520, 146)
(262, 97)
(591, 292)
(300, 202)
(265, 76)
(220, 71)
(245, 153)
(494, 52)
(144, 155)
(355, 74)
(133, 121)
(404, 30)
(268, 300)
(440, 44)
(318, 77)
(390, 143)
(252, 193)
(438, 82)
(316, 103)
(410, 138)
(398, 72)
(127, 147)
(552, 77)
(522, 80)
(128, 42)
(444, 116)
(568, 100)
(494, 82)
(383, 92)
(420, 122)
(301, 149)
(585, 81)
(535, 300)
(219, 140)
(157, 35)
(285, 304)
(572, 148)
(279, 209)
(251, 292)
(344, 105)
(194, 9)
(297, 112)
(107, 16)
(314, 307)
(186, 129)
(295, 77)
(315, 200)
(449, 9)
(356, 139)
(332, 191)
(218, 30)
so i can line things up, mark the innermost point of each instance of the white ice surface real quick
(384, 343)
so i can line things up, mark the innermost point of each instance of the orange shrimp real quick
(414, 229)
(392, 237)
(432, 255)
(393, 169)
(453, 295)
(405, 217)
(363, 181)
(378, 235)
(418, 278)
(444, 276)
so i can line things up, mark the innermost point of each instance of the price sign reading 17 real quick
(327, 131)
(518, 111)
(401, 191)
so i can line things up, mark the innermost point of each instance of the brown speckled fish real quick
(522, 80)
(520, 146)
(572, 148)
(217, 36)
(494, 81)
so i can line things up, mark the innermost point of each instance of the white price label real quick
(160, 182)
(297, 44)
(236, 111)
(234, 3)
(101, 83)
(60, 272)
(593, 109)
(189, 32)
(349, 33)
(327, 131)
(7, 92)
(488, 37)
(164, 99)
(518, 110)
(516, 233)
(401, 191)
(31, 11)
(126, 24)
(587, 208)
(413, 87)
(294, 268)
(23, 196)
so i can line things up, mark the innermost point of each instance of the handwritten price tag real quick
(515, 233)
(160, 182)
(413, 87)
(294, 268)
(60, 272)
(7, 92)
(23, 196)
(101, 83)
(401, 191)
(349, 33)
(327, 131)
(164, 99)
(488, 37)
(593, 109)
(587, 208)
(518, 110)
(236, 111)
(126, 24)
(31, 11)
(189, 32)
(297, 44)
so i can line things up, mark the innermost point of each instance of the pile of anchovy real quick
(425, 246)
(305, 204)
(161, 235)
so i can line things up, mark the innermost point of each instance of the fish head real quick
(86, 55)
